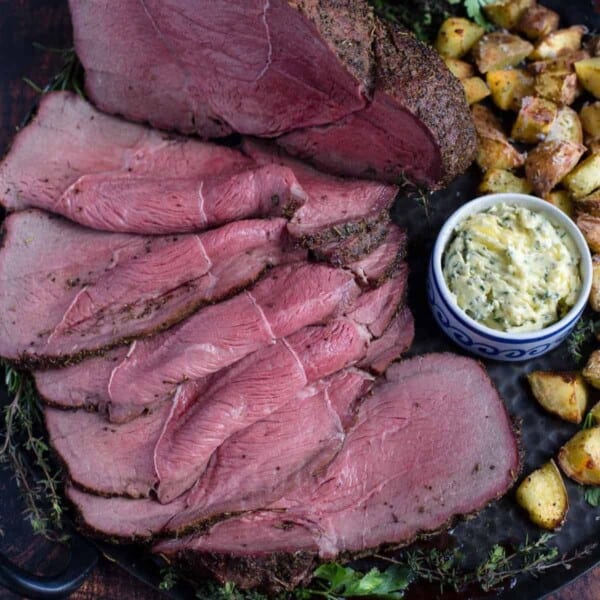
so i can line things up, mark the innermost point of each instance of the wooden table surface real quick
(23, 22)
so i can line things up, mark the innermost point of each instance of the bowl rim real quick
(536, 204)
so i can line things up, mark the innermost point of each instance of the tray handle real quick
(84, 557)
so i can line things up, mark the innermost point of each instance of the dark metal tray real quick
(542, 434)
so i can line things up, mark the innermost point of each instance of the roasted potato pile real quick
(533, 70)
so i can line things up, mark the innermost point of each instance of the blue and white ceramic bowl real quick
(480, 339)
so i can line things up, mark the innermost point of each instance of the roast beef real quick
(153, 204)
(285, 300)
(398, 474)
(69, 138)
(65, 290)
(244, 473)
(322, 68)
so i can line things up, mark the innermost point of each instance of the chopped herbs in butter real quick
(512, 269)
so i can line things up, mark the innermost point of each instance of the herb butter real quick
(512, 269)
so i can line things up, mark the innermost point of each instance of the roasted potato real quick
(589, 116)
(591, 371)
(506, 13)
(535, 119)
(588, 73)
(544, 496)
(457, 36)
(497, 181)
(595, 412)
(509, 86)
(549, 162)
(476, 89)
(564, 62)
(562, 201)
(459, 68)
(595, 292)
(495, 51)
(494, 151)
(585, 177)
(593, 145)
(566, 127)
(562, 87)
(590, 227)
(589, 204)
(537, 21)
(559, 42)
(579, 458)
(561, 393)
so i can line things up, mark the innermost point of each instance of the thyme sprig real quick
(580, 337)
(24, 450)
(70, 76)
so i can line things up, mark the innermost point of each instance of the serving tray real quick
(541, 434)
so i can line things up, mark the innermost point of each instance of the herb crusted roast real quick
(326, 78)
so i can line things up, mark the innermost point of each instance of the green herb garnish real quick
(592, 496)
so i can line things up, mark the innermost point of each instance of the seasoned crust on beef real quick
(429, 91)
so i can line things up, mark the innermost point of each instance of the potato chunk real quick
(591, 371)
(589, 204)
(579, 458)
(566, 127)
(509, 87)
(549, 162)
(496, 181)
(595, 293)
(459, 68)
(544, 496)
(562, 201)
(538, 21)
(588, 72)
(494, 151)
(457, 36)
(475, 89)
(506, 13)
(499, 50)
(585, 178)
(559, 42)
(560, 87)
(590, 118)
(563, 394)
(590, 227)
(535, 119)
(564, 62)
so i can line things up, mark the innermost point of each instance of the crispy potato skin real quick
(591, 371)
(457, 36)
(509, 86)
(590, 119)
(497, 181)
(507, 13)
(589, 204)
(476, 89)
(595, 304)
(563, 394)
(544, 496)
(566, 127)
(562, 200)
(549, 162)
(590, 227)
(559, 42)
(535, 119)
(561, 87)
(499, 50)
(579, 458)
(538, 21)
(585, 178)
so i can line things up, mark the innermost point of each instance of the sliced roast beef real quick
(81, 385)
(69, 138)
(285, 300)
(327, 73)
(167, 282)
(155, 205)
(388, 491)
(244, 473)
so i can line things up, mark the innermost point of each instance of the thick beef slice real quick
(69, 138)
(44, 261)
(285, 300)
(159, 205)
(253, 66)
(82, 385)
(160, 287)
(398, 474)
(251, 390)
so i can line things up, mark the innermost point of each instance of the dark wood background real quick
(23, 22)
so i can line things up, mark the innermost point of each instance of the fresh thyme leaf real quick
(169, 578)
(580, 337)
(24, 451)
(70, 76)
(592, 496)
(588, 422)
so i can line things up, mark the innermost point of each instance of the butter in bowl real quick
(509, 276)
